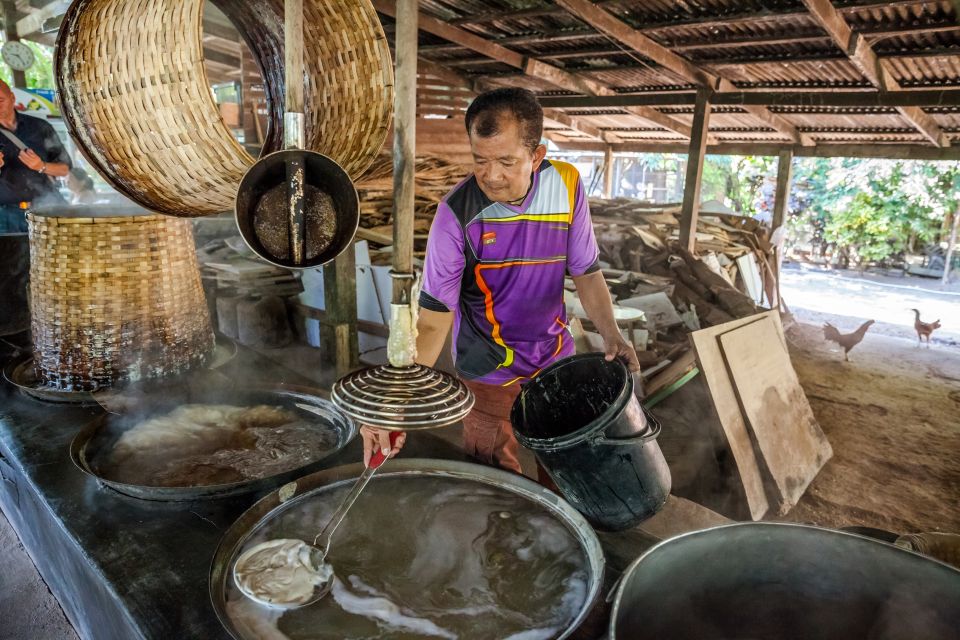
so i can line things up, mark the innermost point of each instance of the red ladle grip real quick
(378, 458)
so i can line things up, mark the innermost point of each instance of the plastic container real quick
(582, 420)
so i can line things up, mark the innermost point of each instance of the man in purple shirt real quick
(501, 244)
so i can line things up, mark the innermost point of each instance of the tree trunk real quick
(951, 244)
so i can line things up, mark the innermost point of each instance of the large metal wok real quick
(295, 493)
(785, 582)
(97, 439)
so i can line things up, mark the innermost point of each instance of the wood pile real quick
(641, 256)
(435, 178)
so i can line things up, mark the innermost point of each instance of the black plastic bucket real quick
(582, 420)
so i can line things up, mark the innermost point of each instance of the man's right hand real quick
(375, 439)
(1, 159)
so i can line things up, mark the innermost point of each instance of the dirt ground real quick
(892, 415)
(28, 611)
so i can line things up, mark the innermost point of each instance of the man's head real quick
(7, 102)
(505, 127)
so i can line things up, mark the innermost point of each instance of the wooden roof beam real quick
(940, 25)
(577, 124)
(747, 14)
(863, 57)
(33, 22)
(455, 79)
(893, 151)
(613, 27)
(785, 98)
(532, 67)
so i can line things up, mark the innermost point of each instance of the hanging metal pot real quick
(307, 230)
(296, 208)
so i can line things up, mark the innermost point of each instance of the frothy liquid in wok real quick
(204, 444)
(427, 557)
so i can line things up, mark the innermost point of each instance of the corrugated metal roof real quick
(755, 44)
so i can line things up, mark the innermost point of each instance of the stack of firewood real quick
(642, 258)
(435, 178)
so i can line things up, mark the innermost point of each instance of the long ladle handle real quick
(322, 541)
(293, 124)
(293, 55)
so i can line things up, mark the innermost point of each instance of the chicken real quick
(846, 340)
(924, 329)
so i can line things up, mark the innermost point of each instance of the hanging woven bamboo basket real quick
(135, 96)
(115, 299)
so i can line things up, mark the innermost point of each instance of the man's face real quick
(7, 101)
(503, 164)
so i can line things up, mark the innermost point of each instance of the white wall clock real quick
(17, 55)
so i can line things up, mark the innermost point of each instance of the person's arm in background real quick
(583, 266)
(53, 160)
(53, 169)
(439, 296)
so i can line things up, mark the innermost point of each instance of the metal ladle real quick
(297, 170)
(315, 559)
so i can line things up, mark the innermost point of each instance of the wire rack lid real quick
(403, 398)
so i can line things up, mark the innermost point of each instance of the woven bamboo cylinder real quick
(135, 96)
(115, 299)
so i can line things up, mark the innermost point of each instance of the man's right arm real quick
(432, 329)
(438, 298)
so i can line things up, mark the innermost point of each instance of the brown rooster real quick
(924, 329)
(846, 340)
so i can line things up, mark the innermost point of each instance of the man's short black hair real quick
(485, 113)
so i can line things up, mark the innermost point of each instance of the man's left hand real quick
(616, 347)
(31, 159)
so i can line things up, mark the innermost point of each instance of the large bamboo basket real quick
(135, 96)
(115, 299)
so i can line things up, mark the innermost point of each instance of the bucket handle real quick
(650, 434)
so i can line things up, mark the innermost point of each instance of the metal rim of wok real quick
(347, 429)
(759, 527)
(263, 510)
(22, 374)
(403, 398)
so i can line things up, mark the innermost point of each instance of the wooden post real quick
(404, 146)
(293, 56)
(339, 333)
(691, 188)
(254, 96)
(608, 172)
(10, 15)
(784, 181)
(340, 277)
(951, 245)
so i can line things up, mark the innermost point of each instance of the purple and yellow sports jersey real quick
(501, 267)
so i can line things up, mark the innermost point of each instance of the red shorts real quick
(488, 434)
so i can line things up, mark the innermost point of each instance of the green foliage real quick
(868, 209)
(874, 209)
(735, 180)
(40, 75)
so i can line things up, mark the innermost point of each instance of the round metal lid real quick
(95, 210)
(402, 398)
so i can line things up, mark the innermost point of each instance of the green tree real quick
(874, 209)
(736, 180)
